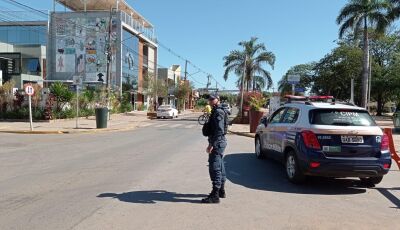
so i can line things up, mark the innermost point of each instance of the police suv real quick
(318, 137)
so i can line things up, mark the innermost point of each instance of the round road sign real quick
(29, 90)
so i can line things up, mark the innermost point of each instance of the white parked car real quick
(167, 111)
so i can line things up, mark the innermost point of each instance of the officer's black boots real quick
(222, 193)
(213, 198)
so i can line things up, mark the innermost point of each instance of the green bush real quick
(64, 114)
(86, 112)
(23, 114)
(62, 95)
(202, 102)
(126, 105)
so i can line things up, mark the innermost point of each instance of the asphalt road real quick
(154, 178)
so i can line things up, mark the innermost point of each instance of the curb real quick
(34, 132)
(69, 132)
(251, 135)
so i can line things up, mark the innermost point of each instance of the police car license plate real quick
(352, 139)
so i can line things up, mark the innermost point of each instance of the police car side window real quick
(290, 116)
(276, 118)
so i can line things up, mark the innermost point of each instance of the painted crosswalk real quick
(172, 125)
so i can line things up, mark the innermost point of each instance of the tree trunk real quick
(379, 106)
(365, 72)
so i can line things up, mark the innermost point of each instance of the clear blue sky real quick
(297, 31)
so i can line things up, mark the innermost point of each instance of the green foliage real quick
(202, 102)
(230, 98)
(182, 92)
(65, 114)
(256, 101)
(333, 73)
(126, 105)
(6, 96)
(306, 72)
(154, 88)
(252, 58)
(62, 95)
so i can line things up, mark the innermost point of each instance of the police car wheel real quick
(258, 149)
(371, 181)
(293, 171)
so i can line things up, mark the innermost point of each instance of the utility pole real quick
(208, 82)
(186, 62)
(109, 59)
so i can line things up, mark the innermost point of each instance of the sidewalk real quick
(118, 122)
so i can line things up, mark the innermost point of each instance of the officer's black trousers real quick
(216, 165)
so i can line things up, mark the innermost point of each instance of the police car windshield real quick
(341, 117)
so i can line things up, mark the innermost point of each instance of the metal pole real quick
(109, 57)
(30, 112)
(77, 106)
(293, 89)
(241, 99)
(352, 91)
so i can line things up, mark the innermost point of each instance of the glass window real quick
(130, 61)
(276, 118)
(24, 35)
(291, 116)
(341, 117)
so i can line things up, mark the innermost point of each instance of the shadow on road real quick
(154, 196)
(392, 198)
(245, 170)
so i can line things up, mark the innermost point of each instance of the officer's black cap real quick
(213, 97)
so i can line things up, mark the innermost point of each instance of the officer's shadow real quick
(154, 196)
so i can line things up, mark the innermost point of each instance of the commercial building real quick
(23, 51)
(170, 76)
(104, 42)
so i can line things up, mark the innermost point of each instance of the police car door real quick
(286, 131)
(272, 133)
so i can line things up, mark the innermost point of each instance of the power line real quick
(191, 63)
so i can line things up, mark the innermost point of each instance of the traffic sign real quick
(294, 79)
(29, 90)
(300, 90)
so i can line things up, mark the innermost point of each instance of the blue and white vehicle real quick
(324, 139)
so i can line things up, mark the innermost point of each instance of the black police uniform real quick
(215, 159)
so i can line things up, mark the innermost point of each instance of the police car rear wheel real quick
(371, 181)
(293, 172)
(258, 150)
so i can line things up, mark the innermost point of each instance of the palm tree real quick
(251, 58)
(358, 15)
(394, 12)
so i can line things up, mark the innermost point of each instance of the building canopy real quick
(104, 5)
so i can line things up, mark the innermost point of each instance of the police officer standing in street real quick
(215, 129)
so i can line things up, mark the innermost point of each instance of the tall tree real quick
(255, 56)
(358, 15)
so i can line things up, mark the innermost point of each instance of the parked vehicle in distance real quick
(227, 107)
(324, 139)
(167, 111)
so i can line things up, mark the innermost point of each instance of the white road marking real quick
(146, 124)
(190, 126)
(159, 126)
(175, 126)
